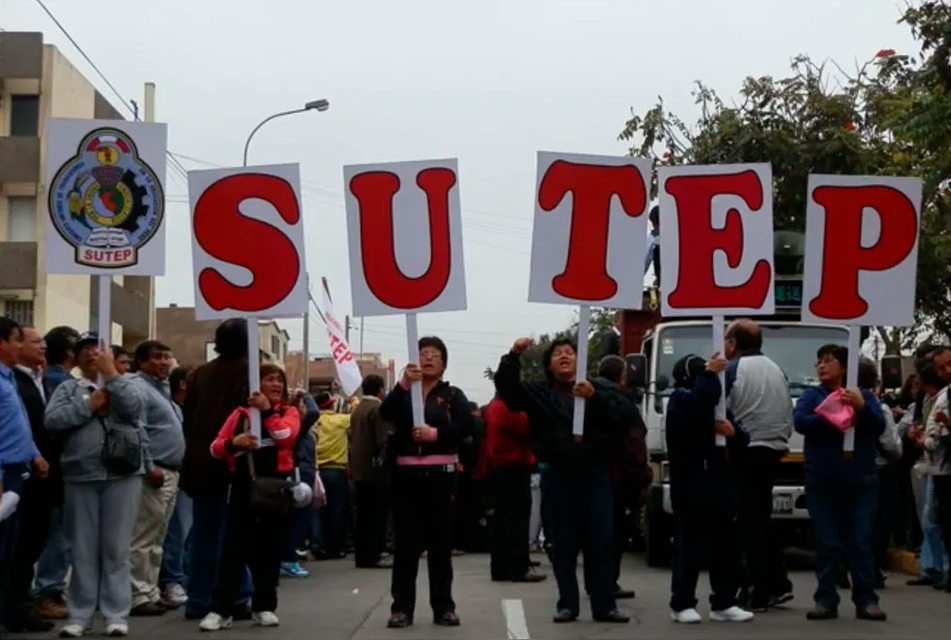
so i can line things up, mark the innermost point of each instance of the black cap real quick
(86, 339)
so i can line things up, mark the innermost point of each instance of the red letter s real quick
(843, 255)
(696, 285)
(592, 187)
(374, 192)
(223, 233)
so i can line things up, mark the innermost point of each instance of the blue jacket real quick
(699, 470)
(305, 452)
(823, 442)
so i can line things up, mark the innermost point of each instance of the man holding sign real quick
(575, 481)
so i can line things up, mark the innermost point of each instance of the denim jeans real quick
(329, 525)
(580, 512)
(54, 562)
(209, 519)
(933, 560)
(175, 550)
(842, 509)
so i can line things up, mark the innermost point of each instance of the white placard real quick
(716, 255)
(105, 208)
(588, 234)
(861, 250)
(248, 242)
(404, 225)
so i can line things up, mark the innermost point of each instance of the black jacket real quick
(446, 408)
(49, 444)
(550, 410)
(700, 472)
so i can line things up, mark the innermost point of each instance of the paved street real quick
(339, 602)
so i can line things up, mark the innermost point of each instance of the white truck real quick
(789, 342)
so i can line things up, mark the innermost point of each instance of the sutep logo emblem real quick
(106, 201)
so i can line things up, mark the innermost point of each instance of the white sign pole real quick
(105, 316)
(581, 367)
(718, 322)
(254, 371)
(412, 351)
(852, 379)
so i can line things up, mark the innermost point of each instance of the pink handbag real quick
(836, 412)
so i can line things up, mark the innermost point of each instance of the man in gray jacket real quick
(758, 396)
(162, 419)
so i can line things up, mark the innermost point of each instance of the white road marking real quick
(515, 622)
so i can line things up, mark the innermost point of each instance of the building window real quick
(276, 347)
(24, 115)
(21, 221)
(20, 311)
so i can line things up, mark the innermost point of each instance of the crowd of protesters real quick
(151, 487)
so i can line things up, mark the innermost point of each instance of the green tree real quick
(890, 116)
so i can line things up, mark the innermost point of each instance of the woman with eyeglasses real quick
(424, 482)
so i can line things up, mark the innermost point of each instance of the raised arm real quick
(508, 377)
(125, 399)
(282, 427)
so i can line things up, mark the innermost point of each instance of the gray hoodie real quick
(757, 393)
(162, 419)
(70, 414)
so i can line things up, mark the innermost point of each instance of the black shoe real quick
(530, 577)
(564, 615)
(624, 594)
(923, 581)
(398, 621)
(448, 619)
(758, 605)
(241, 613)
(534, 564)
(613, 616)
(780, 599)
(28, 623)
(940, 586)
(148, 609)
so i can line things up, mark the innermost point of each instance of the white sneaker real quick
(117, 630)
(176, 594)
(687, 616)
(265, 619)
(733, 614)
(214, 622)
(72, 631)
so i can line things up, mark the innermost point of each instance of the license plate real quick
(782, 503)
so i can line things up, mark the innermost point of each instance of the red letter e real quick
(696, 286)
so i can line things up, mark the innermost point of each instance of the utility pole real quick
(346, 329)
(149, 116)
(306, 348)
(361, 336)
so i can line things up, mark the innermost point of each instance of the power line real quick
(176, 165)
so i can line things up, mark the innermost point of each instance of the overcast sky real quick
(489, 82)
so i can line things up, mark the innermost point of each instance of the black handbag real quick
(121, 449)
(267, 497)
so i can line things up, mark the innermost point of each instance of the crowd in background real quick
(139, 487)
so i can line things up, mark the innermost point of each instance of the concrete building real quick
(192, 341)
(38, 82)
(323, 371)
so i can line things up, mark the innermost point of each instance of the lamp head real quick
(319, 105)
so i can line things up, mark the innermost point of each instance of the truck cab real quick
(654, 344)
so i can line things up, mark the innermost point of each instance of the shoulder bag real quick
(121, 449)
(267, 497)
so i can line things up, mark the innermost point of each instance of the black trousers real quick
(942, 499)
(579, 506)
(369, 522)
(512, 487)
(422, 520)
(704, 531)
(34, 514)
(621, 537)
(251, 541)
(757, 468)
(885, 517)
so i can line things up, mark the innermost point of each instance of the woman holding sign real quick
(841, 488)
(424, 482)
(576, 482)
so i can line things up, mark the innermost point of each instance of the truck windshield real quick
(792, 347)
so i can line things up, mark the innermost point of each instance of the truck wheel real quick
(656, 528)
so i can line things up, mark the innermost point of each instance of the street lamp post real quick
(254, 355)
